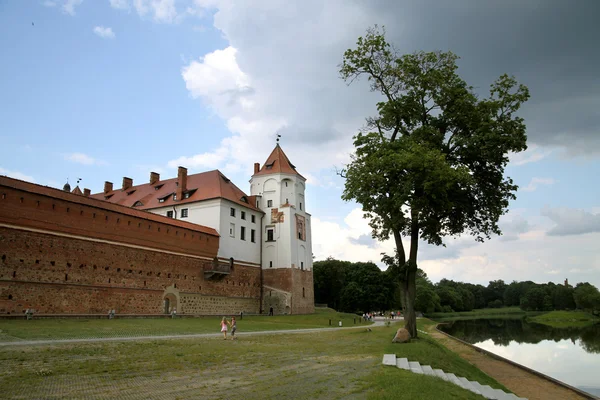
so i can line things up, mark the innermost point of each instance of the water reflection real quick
(571, 355)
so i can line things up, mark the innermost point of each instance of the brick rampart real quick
(62, 253)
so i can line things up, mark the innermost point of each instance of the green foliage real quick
(587, 297)
(353, 287)
(431, 162)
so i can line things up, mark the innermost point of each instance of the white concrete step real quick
(427, 370)
(441, 374)
(402, 363)
(415, 367)
(453, 379)
(475, 387)
(389, 359)
(467, 385)
(485, 390)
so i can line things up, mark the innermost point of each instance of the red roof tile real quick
(203, 186)
(278, 163)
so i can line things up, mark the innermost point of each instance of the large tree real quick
(431, 162)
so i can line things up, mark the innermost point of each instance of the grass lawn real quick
(566, 319)
(332, 364)
(504, 312)
(37, 329)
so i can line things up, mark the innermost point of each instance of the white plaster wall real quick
(242, 250)
(286, 249)
(205, 213)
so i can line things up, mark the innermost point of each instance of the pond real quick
(571, 355)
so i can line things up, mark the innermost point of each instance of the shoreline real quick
(523, 381)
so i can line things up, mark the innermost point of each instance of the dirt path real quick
(520, 381)
(376, 322)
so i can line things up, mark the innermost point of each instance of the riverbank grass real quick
(504, 312)
(48, 329)
(566, 319)
(332, 364)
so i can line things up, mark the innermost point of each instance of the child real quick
(233, 328)
(224, 328)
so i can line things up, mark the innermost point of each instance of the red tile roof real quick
(203, 186)
(278, 162)
(94, 202)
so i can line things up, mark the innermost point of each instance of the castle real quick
(195, 244)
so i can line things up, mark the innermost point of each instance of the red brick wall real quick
(53, 258)
(72, 214)
(54, 274)
(295, 281)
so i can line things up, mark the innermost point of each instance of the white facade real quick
(216, 214)
(291, 246)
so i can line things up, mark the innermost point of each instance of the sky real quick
(103, 89)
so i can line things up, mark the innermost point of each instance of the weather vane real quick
(79, 180)
(278, 136)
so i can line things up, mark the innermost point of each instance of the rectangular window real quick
(300, 235)
(302, 265)
(270, 235)
(270, 264)
(300, 206)
(269, 203)
(184, 213)
(174, 197)
(287, 201)
(253, 218)
(285, 183)
(232, 212)
(243, 233)
(243, 215)
(252, 235)
(232, 230)
(169, 214)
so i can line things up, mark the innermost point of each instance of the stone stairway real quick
(475, 387)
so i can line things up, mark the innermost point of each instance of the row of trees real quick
(448, 295)
(361, 286)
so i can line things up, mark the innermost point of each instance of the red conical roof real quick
(278, 162)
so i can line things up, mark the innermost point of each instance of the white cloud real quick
(534, 153)
(84, 159)
(535, 182)
(69, 6)
(163, 11)
(201, 161)
(120, 4)
(571, 221)
(16, 175)
(104, 32)
(49, 3)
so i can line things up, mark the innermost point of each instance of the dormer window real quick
(244, 199)
(161, 200)
(157, 187)
(131, 192)
(137, 204)
(269, 166)
(174, 196)
(186, 195)
(108, 197)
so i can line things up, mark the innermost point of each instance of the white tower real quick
(286, 232)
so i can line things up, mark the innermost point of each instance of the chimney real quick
(107, 187)
(181, 182)
(154, 177)
(127, 183)
(86, 192)
(256, 167)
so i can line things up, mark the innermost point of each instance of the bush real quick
(495, 304)
(447, 308)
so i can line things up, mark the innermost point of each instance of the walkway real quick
(377, 322)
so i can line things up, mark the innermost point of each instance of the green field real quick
(38, 329)
(566, 319)
(332, 363)
(504, 312)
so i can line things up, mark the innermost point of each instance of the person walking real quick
(224, 328)
(233, 326)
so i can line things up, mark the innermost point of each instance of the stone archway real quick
(171, 300)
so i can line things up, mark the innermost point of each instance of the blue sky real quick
(103, 89)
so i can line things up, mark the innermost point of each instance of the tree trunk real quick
(410, 317)
(410, 284)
